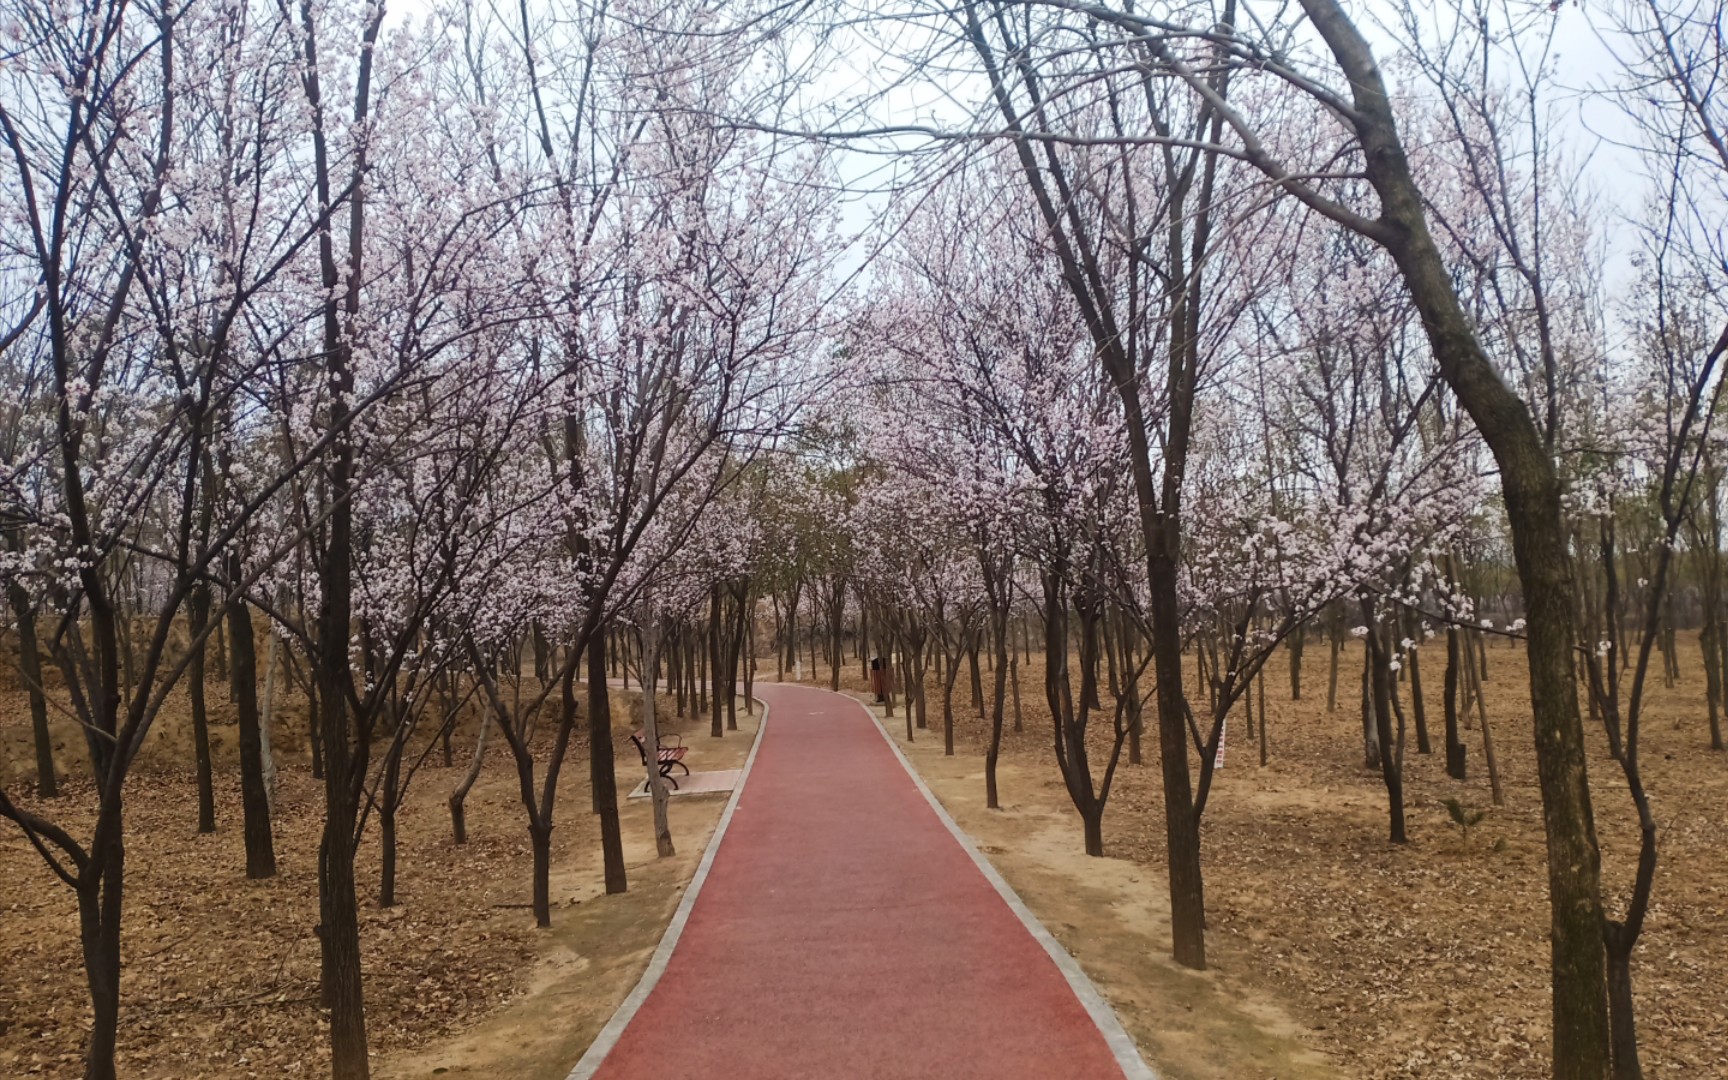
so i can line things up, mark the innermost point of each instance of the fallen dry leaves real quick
(1428, 959)
(221, 973)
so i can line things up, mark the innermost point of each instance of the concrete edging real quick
(609, 1035)
(1121, 1044)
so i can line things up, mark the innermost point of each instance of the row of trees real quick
(438, 348)
(1198, 326)
(413, 346)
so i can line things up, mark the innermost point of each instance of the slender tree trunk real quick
(735, 654)
(254, 790)
(1332, 669)
(977, 676)
(1131, 687)
(950, 675)
(459, 794)
(1488, 756)
(1181, 821)
(1623, 1031)
(836, 639)
(1418, 706)
(716, 619)
(603, 767)
(1372, 750)
(99, 910)
(1457, 764)
(792, 628)
(30, 667)
(651, 737)
(1264, 747)
(267, 717)
(389, 798)
(198, 618)
(1380, 692)
(999, 635)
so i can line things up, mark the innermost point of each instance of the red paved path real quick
(844, 933)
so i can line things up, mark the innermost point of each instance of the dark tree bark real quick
(198, 619)
(389, 799)
(977, 676)
(1418, 706)
(1379, 668)
(602, 766)
(254, 798)
(716, 623)
(1457, 763)
(30, 668)
(1333, 643)
(458, 801)
(951, 672)
(1531, 490)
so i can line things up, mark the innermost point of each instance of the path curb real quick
(610, 1034)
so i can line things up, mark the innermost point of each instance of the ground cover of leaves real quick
(1428, 959)
(221, 973)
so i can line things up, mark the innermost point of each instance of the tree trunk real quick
(198, 619)
(1457, 764)
(1092, 827)
(1380, 691)
(1372, 751)
(792, 628)
(950, 675)
(30, 668)
(735, 654)
(836, 613)
(1181, 822)
(1332, 670)
(717, 724)
(1623, 1027)
(459, 794)
(1264, 747)
(651, 737)
(1131, 686)
(389, 797)
(1488, 757)
(267, 756)
(1531, 491)
(540, 843)
(977, 676)
(315, 729)
(1417, 705)
(339, 932)
(998, 628)
(99, 910)
(602, 767)
(254, 792)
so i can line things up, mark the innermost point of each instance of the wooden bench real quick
(670, 757)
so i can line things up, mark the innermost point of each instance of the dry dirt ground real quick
(221, 973)
(1336, 953)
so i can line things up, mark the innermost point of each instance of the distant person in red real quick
(878, 677)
